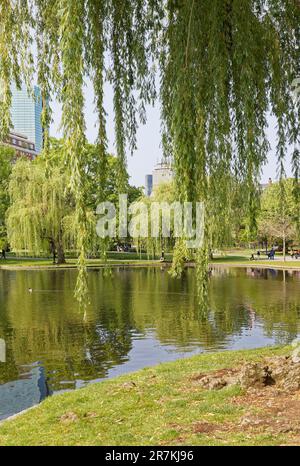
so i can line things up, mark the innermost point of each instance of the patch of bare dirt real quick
(217, 379)
(266, 411)
(280, 371)
(205, 428)
(69, 417)
(271, 400)
(271, 410)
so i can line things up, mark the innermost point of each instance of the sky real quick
(149, 151)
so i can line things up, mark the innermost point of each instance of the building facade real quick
(22, 145)
(266, 185)
(26, 114)
(162, 173)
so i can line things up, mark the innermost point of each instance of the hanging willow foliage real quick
(227, 64)
(224, 65)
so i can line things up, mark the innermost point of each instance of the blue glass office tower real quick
(26, 114)
(148, 185)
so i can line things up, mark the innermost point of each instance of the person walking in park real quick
(271, 254)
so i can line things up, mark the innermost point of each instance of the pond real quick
(137, 318)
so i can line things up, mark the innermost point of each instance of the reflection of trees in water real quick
(47, 325)
(8, 371)
(274, 301)
(236, 301)
(170, 306)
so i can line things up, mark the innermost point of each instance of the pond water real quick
(137, 318)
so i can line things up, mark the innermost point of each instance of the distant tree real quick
(108, 189)
(42, 213)
(164, 195)
(279, 213)
(6, 156)
(40, 204)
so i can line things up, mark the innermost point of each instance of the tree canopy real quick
(41, 216)
(6, 156)
(40, 208)
(279, 214)
(223, 66)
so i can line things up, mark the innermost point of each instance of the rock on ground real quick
(280, 371)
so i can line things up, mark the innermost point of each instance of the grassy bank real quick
(163, 405)
(228, 258)
(70, 263)
(240, 261)
(114, 258)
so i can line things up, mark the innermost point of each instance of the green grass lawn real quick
(156, 406)
(242, 260)
(41, 262)
(228, 257)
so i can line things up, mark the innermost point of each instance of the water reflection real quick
(28, 390)
(137, 318)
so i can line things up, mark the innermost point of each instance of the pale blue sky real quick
(149, 148)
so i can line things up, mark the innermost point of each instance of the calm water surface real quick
(137, 318)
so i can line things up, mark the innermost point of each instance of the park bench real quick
(295, 254)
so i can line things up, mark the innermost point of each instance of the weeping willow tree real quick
(224, 65)
(6, 157)
(41, 207)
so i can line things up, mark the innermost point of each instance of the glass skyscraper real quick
(26, 114)
(148, 185)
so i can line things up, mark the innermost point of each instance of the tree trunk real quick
(52, 249)
(60, 254)
(60, 249)
(283, 250)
